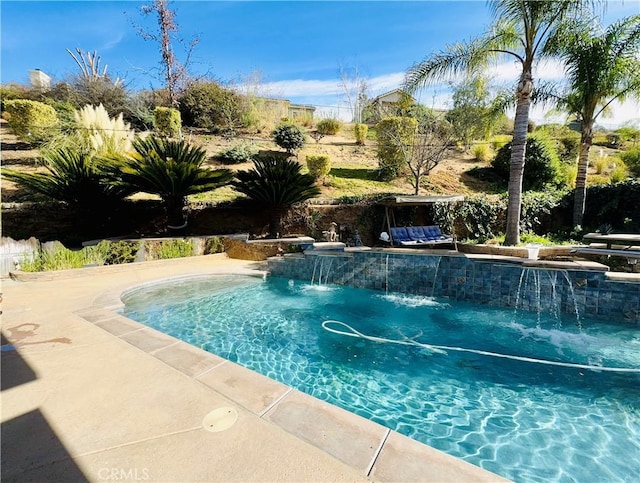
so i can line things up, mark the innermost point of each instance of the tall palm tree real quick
(276, 184)
(170, 169)
(601, 67)
(519, 32)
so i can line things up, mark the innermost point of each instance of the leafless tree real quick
(431, 144)
(174, 72)
(355, 90)
(89, 63)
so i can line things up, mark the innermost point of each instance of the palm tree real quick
(170, 169)
(276, 184)
(601, 67)
(519, 32)
(75, 177)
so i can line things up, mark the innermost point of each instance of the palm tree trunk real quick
(518, 151)
(580, 193)
(175, 218)
(275, 221)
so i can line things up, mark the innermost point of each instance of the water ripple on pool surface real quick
(527, 422)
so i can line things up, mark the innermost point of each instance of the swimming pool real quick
(525, 420)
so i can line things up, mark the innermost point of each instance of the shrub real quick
(170, 169)
(289, 137)
(618, 173)
(482, 152)
(500, 140)
(568, 173)
(360, 132)
(567, 141)
(240, 153)
(95, 91)
(615, 204)
(214, 245)
(601, 164)
(569, 147)
(629, 134)
(31, 121)
(166, 249)
(210, 106)
(394, 134)
(329, 126)
(319, 165)
(541, 165)
(13, 91)
(55, 256)
(632, 159)
(120, 252)
(167, 122)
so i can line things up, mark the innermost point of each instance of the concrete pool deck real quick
(88, 395)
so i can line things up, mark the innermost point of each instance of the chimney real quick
(39, 80)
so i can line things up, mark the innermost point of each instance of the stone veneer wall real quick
(490, 282)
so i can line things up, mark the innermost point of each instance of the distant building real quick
(386, 104)
(39, 80)
(297, 111)
(280, 108)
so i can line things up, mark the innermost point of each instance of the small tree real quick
(393, 133)
(174, 72)
(355, 90)
(430, 146)
(472, 117)
(289, 137)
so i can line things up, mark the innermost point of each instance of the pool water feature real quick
(523, 420)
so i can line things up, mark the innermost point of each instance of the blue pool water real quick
(524, 420)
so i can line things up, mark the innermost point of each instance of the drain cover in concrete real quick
(220, 419)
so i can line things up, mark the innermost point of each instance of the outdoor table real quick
(627, 240)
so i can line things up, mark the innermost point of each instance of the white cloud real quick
(510, 71)
(329, 96)
(110, 44)
(331, 87)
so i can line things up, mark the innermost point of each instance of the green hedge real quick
(31, 121)
(360, 132)
(617, 205)
(318, 165)
(167, 122)
(483, 217)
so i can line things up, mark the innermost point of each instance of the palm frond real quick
(276, 182)
(167, 168)
(73, 177)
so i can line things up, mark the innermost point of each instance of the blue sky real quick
(295, 48)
